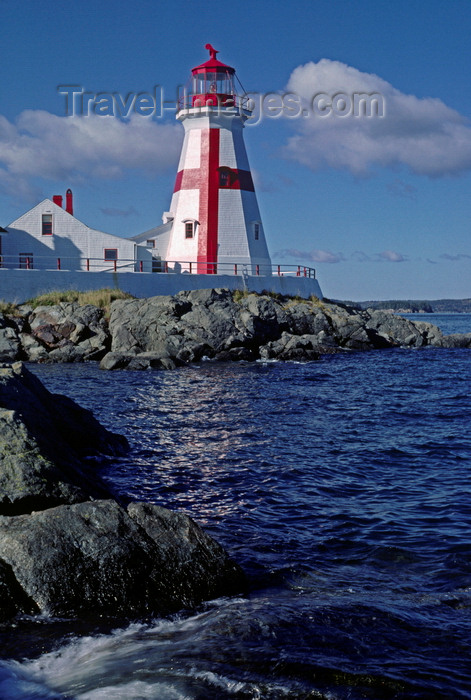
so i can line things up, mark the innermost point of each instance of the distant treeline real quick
(458, 306)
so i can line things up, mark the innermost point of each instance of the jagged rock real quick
(9, 344)
(431, 334)
(69, 332)
(32, 348)
(196, 567)
(9, 339)
(95, 558)
(139, 361)
(45, 440)
(170, 331)
(304, 319)
(455, 340)
(66, 547)
(291, 347)
(395, 329)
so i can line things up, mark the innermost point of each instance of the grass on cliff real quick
(101, 298)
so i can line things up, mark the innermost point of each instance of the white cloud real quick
(317, 256)
(40, 144)
(423, 134)
(391, 256)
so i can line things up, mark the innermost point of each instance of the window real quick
(46, 229)
(26, 261)
(150, 244)
(224, 178)
(256, 231)
(189, 229)
(111, 254)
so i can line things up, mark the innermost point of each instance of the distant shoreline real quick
(413, 306)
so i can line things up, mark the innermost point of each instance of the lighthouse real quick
(215, 219)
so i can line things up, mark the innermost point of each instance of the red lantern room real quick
(212, 83)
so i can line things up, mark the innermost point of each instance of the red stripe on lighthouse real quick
(209, 202)
(189, 179)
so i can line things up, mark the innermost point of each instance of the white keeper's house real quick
(212, 235)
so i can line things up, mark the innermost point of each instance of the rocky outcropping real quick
(66, 332)
(46, 441)
(167, 331)
(67, 547)
(98, 557)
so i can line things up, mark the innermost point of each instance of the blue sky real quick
(380, 206)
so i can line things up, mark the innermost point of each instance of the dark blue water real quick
(343, 489)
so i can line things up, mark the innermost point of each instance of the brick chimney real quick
(69, 202)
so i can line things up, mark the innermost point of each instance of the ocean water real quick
(341, 486)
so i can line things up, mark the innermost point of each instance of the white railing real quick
(150, 265)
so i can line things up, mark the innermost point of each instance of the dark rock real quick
(9, 340)
(68, 331)
(165, 332)
(190, 561)
(302, 348)
(307, 319)
(96, 559)
(138, 361)
(13, 599)
(44, 442)
(236, 355)
(396, 330)
(455, 340)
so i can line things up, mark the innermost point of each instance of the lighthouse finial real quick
(212, 52)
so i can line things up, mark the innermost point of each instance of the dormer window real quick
(190, 227)
(46, 225)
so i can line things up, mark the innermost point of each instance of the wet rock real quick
(66, 547)
(45, 442)
(96, 558)
(194, 565)
(13, 599)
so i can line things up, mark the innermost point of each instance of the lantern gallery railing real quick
(29, 261)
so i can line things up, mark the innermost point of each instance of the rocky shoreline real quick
(169, 331)
(68, 546)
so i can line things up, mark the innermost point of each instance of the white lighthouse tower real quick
(216, 220)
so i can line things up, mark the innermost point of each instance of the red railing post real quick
(166, 266)
(58, 263)
(88, 265)
(279, 270)
(305, 272)
(115, 267)
(190, 268)
(235, 268)
(141, 266)
(257, 269)
(28, 267)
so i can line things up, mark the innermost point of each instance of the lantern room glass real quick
(213, 82)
